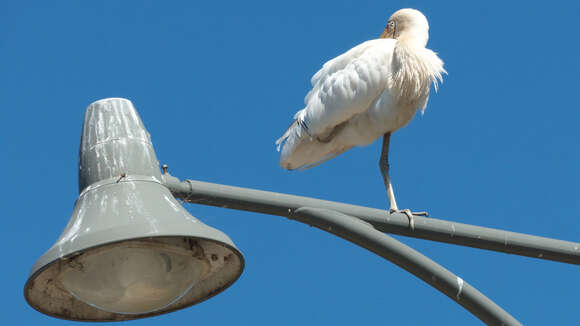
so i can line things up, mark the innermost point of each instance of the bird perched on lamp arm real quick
(370, 91)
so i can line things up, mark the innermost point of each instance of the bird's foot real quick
(409, 215)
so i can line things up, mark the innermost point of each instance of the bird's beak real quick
(385, 33)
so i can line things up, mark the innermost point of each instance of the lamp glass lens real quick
(133, 277)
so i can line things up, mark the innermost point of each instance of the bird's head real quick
(407, 25)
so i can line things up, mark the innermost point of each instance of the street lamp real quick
(130, 250)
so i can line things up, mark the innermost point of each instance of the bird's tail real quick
(301, 151)
(285, 136)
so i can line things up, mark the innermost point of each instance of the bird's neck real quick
(413, 38)
(414, 69)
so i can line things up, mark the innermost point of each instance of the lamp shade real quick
(129, 250)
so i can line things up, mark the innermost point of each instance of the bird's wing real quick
(345, 86)
(338, 63)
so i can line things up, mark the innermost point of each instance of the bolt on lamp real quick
(129, 250)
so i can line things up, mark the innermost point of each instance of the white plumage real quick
(370, 91)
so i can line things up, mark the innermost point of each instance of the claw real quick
(410, 215)
(411, 219)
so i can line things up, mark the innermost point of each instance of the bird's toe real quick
(410, 215)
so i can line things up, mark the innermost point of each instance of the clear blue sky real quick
(217, 82)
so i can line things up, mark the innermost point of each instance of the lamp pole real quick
(363, 226)
(127, 217)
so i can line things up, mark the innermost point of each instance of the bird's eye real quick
(391, 23)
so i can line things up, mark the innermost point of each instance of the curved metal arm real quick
(361, 233)
(425, 228)
(294, 207)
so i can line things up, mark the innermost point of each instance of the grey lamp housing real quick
(130, 250)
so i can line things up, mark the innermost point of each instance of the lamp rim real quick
(123, 317)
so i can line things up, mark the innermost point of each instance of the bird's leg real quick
(384, 167)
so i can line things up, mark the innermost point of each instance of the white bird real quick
(370, 91)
